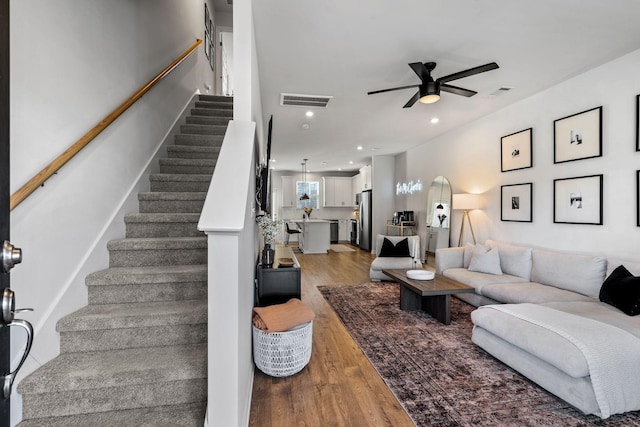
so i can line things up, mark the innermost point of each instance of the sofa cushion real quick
(613, 263)
(579, 273)
(485, 261)
(514, 260)
(468, 252)
(400, 249)
(513, 293)
(533, 339)
(622, 290)
(381, 263)
(479, 280)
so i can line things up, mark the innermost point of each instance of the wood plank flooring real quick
(339, 387)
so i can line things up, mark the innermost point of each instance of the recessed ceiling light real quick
(339, 169)
(272, 160)
(360, 147)
(309, 114)
(305, 126)
(435, 120)
(350, 162)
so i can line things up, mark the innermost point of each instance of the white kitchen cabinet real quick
(355, 188)
(365, 178)
(337, 191)
(288, 192)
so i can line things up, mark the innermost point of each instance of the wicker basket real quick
(281, 354)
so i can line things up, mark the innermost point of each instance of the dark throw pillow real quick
(400, 249)
(622, 290)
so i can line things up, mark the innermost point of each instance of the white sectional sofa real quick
(540, 313)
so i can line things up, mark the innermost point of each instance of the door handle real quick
(10, 256)
(8, 313)
(7, 380)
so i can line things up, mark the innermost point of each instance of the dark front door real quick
(4, 189)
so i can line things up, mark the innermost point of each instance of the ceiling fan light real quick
(429, 99)
(429, 92)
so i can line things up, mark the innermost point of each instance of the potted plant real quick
(270, 229)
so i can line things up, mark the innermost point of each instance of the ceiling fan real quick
(429, 89)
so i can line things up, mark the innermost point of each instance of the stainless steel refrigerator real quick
(365, 220)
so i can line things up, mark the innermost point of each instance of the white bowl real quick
(420, 274)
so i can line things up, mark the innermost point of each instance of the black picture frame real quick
(578, 200)
(638, 198)
(206, 30)
(637, 122)
(212, 49)
(516, 202)
(516, 151)
(578, 136)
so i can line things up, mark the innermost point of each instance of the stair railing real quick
(41, 177)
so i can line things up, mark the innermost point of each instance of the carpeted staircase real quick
(137, 354)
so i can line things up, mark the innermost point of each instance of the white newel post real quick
(228, 219)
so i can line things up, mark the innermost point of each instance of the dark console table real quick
(278, 284)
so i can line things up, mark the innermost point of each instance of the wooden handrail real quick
(41, 177)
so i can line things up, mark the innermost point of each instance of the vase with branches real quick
(270, 228)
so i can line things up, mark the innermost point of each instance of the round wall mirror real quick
(438, 214)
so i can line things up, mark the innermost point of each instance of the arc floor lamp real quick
(465, 203)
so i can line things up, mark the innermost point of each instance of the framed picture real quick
(638, 197)
(638, 123)
(516, 150)
(578, 200)
(206, 30)
(517, 202)
(212, 39)
(578, 136)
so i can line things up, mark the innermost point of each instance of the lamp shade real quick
(466, 201)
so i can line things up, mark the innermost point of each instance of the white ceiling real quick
(346, 48)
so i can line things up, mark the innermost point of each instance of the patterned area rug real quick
(436, 372)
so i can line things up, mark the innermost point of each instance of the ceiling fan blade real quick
(389, 90)
(469, 72)
(457, 90)
(422, 71)
(413, 100)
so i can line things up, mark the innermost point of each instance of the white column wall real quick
(71, 64)
(470, 158)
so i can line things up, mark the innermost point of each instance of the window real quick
(312, 188)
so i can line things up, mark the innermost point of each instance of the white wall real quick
(470, 158)
(383, 194)
(71, 64)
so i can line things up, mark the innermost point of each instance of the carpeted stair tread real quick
(198, 140)
(188, 162)
(151, 243)
(203, 129)
(207, 111)
(134, 315)
(101, 369)
(216, 98)
(144, 275)
(168, 201)
(213, 105)
(186, 415)
(164, 177)
(201, 152)
(161, 217)
(207, 120)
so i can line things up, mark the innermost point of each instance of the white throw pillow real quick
(468, 251)
(485, 261)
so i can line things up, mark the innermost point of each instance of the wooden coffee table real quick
(432, 296)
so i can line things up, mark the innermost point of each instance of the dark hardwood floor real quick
(339, 387)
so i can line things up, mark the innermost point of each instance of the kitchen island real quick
(316, 235)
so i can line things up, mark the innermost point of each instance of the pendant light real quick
(439, 206)
(304, 196)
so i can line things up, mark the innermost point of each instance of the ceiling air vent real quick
(299, 100)
(501, 91)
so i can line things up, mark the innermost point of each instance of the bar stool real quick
(291, 231)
